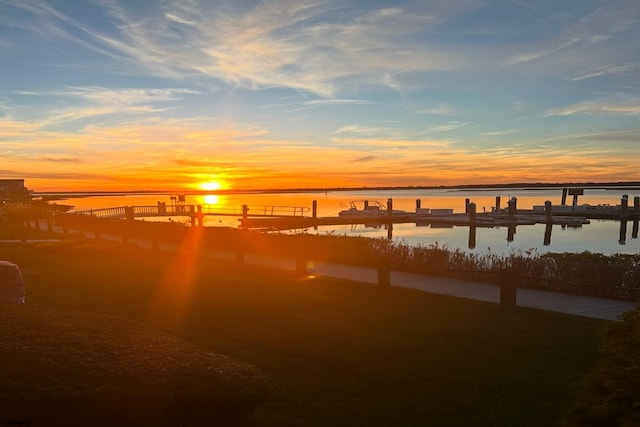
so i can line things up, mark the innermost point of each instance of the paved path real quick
(599, 308)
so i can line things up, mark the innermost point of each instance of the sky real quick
(242, 94)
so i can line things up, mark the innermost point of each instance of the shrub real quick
(610, 394)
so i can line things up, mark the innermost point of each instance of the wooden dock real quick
(291, 217)
(195, 212)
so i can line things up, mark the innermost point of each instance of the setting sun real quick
(211, 185)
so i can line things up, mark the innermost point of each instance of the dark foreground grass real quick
(74, 368)
(336, 352)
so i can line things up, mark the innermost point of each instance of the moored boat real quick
(368, 208)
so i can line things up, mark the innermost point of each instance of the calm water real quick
(599, 236)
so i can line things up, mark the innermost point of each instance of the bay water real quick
(599, 236)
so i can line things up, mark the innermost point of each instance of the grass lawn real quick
(335, 352)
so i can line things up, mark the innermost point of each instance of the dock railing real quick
(193, 210)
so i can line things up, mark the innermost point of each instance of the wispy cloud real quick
(358, 129)
(445, 127)
(394, 144)
(499, 132)
(78, 103)
(531, 56)
(308, 45)
(604, 71)
(61, 159)
(526, 5)
(585, 40)
(338, 102)
(597, 108)
(439, 110)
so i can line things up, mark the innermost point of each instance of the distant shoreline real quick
(55, 195)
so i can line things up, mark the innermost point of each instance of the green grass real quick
(336, 352)
(67, 367)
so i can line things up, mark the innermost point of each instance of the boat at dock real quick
(604, 211)
(366, 208)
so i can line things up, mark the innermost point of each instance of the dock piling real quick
(471, 210)
(547, 233)
(624, 206)
(471, 207)
(511, 205)
(623, 232)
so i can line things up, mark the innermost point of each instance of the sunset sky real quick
(144, 94)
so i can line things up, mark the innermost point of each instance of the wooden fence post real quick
(23, 232)
(129, 212)
(245, 215)
(508, 285)
(192, 215)
(240, 247)
(155, 231)
(301, 265)
(384, 272)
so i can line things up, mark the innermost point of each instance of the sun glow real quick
(211, 185)
(211, 199)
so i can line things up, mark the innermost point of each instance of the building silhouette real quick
(13, 190)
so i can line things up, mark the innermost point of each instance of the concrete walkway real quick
(598, 308)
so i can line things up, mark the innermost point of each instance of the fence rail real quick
(195, 210)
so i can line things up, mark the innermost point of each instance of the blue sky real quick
(114, 94)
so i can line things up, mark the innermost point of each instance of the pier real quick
(292, 217)
(195, 212)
